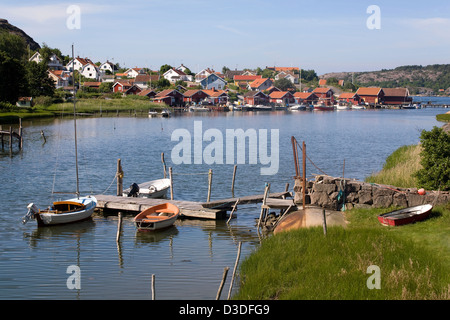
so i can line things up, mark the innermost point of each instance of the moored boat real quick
(151, 189)
(62, 212)
(405, 216)
(157, 217)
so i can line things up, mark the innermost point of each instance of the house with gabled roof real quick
(396, 96)
(217, 96)
(147, 93)
(108, 66)
(371, 95)
(134, 72)
(195, 96)
(78, 63)
(213, 81)
(91, 71)
(305, 97)
(170, 97)
(282, 97)
(352, 97)
(243, 80)
(174, 75)
(293, 78)
(260, 84)
(325, 94)
(60, 77)
(203, 74)
(54, 62)
(255, 98)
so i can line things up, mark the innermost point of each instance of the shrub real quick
(435, 160)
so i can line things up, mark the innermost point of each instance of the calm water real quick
(188, 259)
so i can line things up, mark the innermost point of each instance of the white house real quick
(134, 72)
(203, 74)
(108, 66)
(90, 71)
(174, 75)
(287, 75)
(60, 77)
(79, 63)
(53, 64)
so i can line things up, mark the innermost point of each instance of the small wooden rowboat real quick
(405, 216)
(157, 217)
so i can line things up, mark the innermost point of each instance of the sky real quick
(326, 35)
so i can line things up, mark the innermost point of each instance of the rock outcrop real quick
(6, 26)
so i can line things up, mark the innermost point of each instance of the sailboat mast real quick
(75, 123)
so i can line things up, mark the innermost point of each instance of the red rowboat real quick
(405, 216)
(157, 217)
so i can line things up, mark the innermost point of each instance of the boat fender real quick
(152, 189)
(134, 190)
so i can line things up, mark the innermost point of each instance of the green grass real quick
(399, 168)
(443, 117)
(128, 104)
(304, 264)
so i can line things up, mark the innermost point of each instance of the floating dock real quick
(214, 210)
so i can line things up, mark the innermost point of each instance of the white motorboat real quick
(151, 189)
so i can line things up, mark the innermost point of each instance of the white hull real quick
(69, 217)
(151, 189)
(157, 225)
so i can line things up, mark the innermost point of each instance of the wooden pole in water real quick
(171, 183)
(234, 208)
(266, 190)
(164, 163)
(10, 138)
(119, 227)
(232, 181)
(209, 184)
(224, 277)
(234, 270)
(304, 175)
(20, 134)
(119, 178)
(1, 134)
(153, 287)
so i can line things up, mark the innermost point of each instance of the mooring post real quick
(20, 134)
(171, 183)
(1, 135)
(119, 174)
(153, 287)
(304, 175)
(10, 138)
(263, 209)
(119, 227)
(164, 163)
(209, 184)
(232, 181)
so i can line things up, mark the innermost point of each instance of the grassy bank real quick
(93, 106)
(443, 117)
(414, 261)
(399, 168)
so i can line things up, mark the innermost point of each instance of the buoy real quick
(422, 192)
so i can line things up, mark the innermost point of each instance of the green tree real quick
(435, 160)
(162, 83)
(309, 75)
(164, 68)
(284, 84)
(40, 84)
(12, 70)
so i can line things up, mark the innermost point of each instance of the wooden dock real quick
(214, 210)
(189, 209)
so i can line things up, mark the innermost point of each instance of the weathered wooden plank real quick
(226, 203)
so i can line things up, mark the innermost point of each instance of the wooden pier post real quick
(209, 185)
(10, 138)
(171, 183)
(164, 163)
(232, 181)
(304, 175)
(119, 174)
(263, 208)
(1, 135)
(119, 227)
(20, 134)
(153, 287)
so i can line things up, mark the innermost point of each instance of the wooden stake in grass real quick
(224, 278)
(234, 270)
(324, 222)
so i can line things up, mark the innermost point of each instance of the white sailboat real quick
(71, 210)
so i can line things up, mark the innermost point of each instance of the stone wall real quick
(330, 192)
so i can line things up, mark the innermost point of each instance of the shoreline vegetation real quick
(303, 264)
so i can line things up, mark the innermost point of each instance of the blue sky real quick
(327, 36)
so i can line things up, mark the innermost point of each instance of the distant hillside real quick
(417, 79)
(5, 26)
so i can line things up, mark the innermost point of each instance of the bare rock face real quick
(6, 26)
